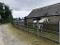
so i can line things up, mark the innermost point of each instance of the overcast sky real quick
(22, 8)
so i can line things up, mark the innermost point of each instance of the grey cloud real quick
(28, 4)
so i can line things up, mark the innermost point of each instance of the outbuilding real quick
(50, 13)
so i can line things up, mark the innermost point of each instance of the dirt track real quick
(10, 35)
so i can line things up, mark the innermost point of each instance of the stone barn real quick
(51, 12)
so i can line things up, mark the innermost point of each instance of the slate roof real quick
(51, 10)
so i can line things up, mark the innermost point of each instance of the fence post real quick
(59, 31)
(37, 27)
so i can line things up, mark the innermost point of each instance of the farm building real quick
(49, 14)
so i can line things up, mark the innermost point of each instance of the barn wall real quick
(30, 20)
(53, 19)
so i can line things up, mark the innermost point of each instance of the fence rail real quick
(50, 31)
